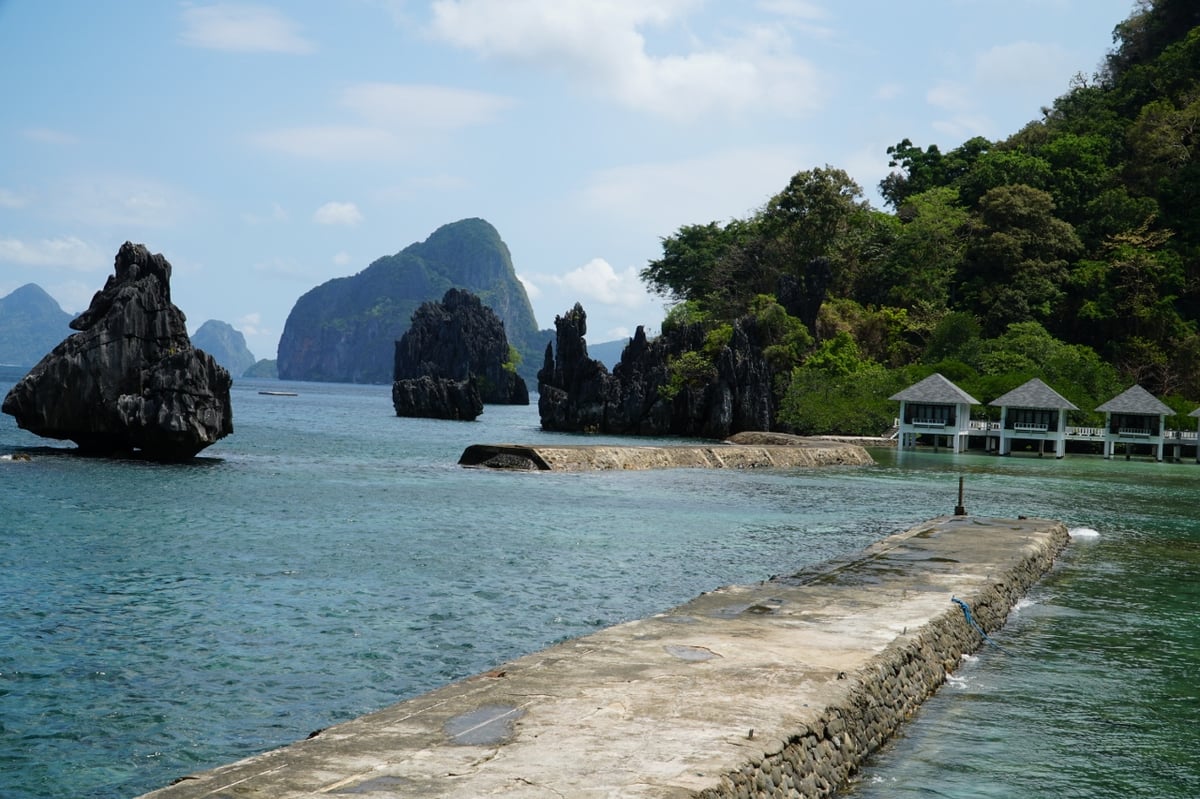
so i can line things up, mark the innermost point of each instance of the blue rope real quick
(971, 621)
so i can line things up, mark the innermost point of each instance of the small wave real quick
(1083, 534)
(956, 681)
(1022, 603)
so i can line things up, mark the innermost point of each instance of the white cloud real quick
(334, 213)
(284, 268)
(889, 91)
(342, 259)
(251, 325)
(73, 296)
(602, 47)
(390, 120)
(597, 281)
(615, 301)
(656, 198)
(329, 141)
(49, 136)
(12, 200)
(800, 9)
(63, 253)
(123, 201)
(1022, 66)
(277, 214)
(242, 28)
(531, 288)
(398, 106)
(964, 126)
(949, 96)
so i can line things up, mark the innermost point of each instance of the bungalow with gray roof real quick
(1135, 416)
(934, 406)
(1033, 411)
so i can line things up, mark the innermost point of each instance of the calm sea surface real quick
(329, 559)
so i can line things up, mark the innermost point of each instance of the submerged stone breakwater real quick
(591, 457)
(779, 689)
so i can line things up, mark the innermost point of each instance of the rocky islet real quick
(129, 380)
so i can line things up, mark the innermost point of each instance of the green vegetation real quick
(1069, 251)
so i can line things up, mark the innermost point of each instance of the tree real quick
(1003, 167)
(922, 170)
(927, 250)
(688, 266)
(810, 218)
(1016, 262)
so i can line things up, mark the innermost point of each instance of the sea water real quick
(329, 559)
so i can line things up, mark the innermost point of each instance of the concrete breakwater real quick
(779, 689)
(589, 457)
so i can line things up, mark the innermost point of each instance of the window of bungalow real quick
(1031, 416)
(1135, 421)
(930, 412)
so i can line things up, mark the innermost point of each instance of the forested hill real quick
(1068, 251)
(346, 329)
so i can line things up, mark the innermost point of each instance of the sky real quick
(267, 147)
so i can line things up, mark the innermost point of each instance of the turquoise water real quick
(329, 559)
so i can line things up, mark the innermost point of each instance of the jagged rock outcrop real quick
(345, 329)
(642, 396)
(433, 398)
(456, 341)
(130, 379)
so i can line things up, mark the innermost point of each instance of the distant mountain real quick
(31, 324)
(264, 368)
(608, 352)
(345, 330)
(226, 345)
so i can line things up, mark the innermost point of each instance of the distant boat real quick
(280, 393)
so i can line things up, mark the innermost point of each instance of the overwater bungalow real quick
(1033, 412)
(1133, 417)
(934, 407)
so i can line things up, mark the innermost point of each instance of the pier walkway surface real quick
(778, 689)
(798, 452)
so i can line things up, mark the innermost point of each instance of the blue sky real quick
(265, 148)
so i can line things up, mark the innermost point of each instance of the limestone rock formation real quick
(437, 398)
(461, 341)
(345, 329)
(642, 396)
(130, 379)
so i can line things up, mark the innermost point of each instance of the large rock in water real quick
(130, 379)
(578, 394)
(450, 345)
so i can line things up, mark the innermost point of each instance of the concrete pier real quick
(779, 689)
(589, 457)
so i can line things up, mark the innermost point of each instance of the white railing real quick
(929, 423)
(984, 424)
(1180, 435)
(1029, 427)
(1135, 432)
(1085, 432)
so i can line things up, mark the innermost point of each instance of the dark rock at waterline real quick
(437, 398)
(578, 394)
(130, 379)
(452, 348)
